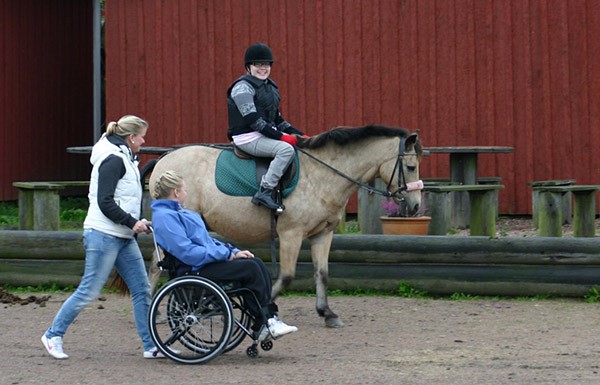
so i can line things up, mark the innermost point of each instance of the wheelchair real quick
(193, 320)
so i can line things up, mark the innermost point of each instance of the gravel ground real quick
(386, 340)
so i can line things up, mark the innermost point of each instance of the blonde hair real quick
(127, 125)
(165, 183)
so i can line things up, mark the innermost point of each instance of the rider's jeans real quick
(281, 152)
(102, 252)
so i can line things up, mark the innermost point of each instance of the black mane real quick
(345, 135)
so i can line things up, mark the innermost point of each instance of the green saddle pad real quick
(237, 177)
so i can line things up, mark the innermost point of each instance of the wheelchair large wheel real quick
(242, 320)
(199, 321)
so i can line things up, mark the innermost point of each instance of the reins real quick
(371, 189)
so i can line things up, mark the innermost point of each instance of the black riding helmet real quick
(258, 52)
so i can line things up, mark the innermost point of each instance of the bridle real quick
(402, 185)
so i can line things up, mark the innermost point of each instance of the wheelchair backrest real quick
(174, 266)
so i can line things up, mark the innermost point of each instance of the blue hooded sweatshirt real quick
(183, 234)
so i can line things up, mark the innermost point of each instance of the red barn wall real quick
(45, 90)
(467, 72)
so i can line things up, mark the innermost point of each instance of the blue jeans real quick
(102, 253)
(281, 152)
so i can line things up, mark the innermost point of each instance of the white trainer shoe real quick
(278, 328)
(153, 353)
(54, 346)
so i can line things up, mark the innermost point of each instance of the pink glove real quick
(291, 139)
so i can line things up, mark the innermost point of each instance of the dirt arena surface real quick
(386, 340)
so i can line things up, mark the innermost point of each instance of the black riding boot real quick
(264, 197)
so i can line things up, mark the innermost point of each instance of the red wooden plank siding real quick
(503, 121)
(592, 121)
(45, 90)
(465, 92)
(464, 72)
(522, 105)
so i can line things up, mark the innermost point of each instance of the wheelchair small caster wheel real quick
(252, 352)
(267, 345)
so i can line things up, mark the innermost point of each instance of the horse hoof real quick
(334, 323)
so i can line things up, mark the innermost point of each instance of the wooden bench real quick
(566, 200)
(39, 203)
(550, 209)
(483, 202)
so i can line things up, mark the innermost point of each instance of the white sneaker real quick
(153, 353)
(54, 346)
(278, 328)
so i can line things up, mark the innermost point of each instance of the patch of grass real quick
(9, 213)
(74, 203)
(72, 212)
(50, 287)
(463, 297)
(406, 291)
(362, 292)
(352, 227)
(538, 297)
(593, 295)
(71, 215)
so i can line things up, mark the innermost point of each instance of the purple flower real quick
(391, 208)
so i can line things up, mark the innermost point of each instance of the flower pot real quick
(405, 225)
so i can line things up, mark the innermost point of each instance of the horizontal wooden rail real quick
(67, 245)
(436, 264)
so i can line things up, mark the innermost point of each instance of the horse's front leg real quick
(289, 248)
(319, 247)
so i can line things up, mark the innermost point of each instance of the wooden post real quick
(550, 213)
(584, 210)
(463, 168)
(492, 180)
(369, 209)
(438, 203)
(483, 212)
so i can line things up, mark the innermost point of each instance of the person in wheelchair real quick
(183, 234)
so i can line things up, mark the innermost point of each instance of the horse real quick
(333, 165)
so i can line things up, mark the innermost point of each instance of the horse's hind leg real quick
(319, 246)
(153, 272)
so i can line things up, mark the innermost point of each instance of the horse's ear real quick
(412, 139)
(413, 143)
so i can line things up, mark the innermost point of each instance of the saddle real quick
(238, 173)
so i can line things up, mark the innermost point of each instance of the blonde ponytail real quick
(165, 183)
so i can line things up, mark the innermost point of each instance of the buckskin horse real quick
(333, 166)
